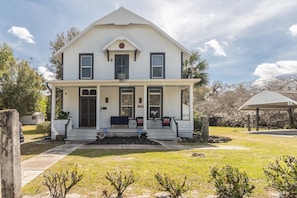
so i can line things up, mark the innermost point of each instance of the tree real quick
(61, 40)
(6, 57)
(56, 64)
(194, 67)
(20, 85)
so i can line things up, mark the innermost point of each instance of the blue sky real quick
(242, 40)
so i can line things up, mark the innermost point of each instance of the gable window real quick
(157, 65)
(127, 102)
(86, 66)
(154, 103)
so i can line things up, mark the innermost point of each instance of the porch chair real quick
(166, 121)
(139, 121)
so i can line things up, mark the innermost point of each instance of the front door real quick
(87, 112)
(121, 66)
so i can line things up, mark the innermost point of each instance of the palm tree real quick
(194, 67)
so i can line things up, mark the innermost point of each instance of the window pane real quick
(127, 111)
(155, 112)
(157, 60)
(86, 61)
(93, 92)
(155, 100)
(86, 72)
(157, 72)
(85, 92)
(127, 99)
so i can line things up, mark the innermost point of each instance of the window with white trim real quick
(157, 65)
(127, 102)
(154, 103)
(86, 66)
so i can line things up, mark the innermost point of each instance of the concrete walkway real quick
(34, 166)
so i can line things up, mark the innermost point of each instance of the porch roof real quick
(126, 82)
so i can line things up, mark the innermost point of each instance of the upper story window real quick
(85, 66)
(121, 67)
(157, 65)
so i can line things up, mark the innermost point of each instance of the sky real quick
(243, 41)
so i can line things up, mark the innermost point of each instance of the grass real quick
(34, 143)
(176, 164)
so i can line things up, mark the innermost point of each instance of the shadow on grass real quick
(37, 147)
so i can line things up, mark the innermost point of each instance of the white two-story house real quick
(122, 65)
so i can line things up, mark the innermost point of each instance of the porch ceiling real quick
(123, 83)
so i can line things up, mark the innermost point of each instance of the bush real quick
(119, 181)
(282, 176)
(176, 189)
(44, 127)
(229, 182)
(60, 183)
(63, 115)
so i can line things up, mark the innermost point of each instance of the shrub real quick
(63, 115)
(229, 182)
(176, 189)
(44, 127)
(119, 181)
(60, 183)
(282, 176)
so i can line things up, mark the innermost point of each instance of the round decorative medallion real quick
(121, 45)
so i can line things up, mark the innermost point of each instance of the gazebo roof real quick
(271, 100)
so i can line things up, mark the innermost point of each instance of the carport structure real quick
(271, 100)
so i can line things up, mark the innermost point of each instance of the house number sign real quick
(121, 45)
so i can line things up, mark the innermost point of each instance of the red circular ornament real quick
(121, 45)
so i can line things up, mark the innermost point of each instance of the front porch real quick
(91, 134)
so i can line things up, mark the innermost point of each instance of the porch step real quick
(161, 134)
(82, 135)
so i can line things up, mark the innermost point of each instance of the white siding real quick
(71, 104)
(148, 40)
(172, 102)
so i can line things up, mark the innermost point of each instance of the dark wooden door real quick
(87, 112)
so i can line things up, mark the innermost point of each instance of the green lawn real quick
(94, 163)
(34, 142)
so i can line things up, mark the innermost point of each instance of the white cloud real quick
(293, 30)
(215, 46)
(47, 75)
(268, 71)
(22, 33)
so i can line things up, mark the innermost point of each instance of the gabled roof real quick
(271, 100)
(123, 16)
(121, 39)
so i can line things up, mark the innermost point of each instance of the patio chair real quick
(139, 122)
(166, 121)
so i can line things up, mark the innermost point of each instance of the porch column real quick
(98, 108)
(257, 119)
(53, 109)
(145, 107)
(191, 105)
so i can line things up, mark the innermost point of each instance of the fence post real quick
(10, 151)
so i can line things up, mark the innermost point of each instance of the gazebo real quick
(272, 100)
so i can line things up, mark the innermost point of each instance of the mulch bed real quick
(125, 140)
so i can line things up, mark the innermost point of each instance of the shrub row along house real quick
(120, 74)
